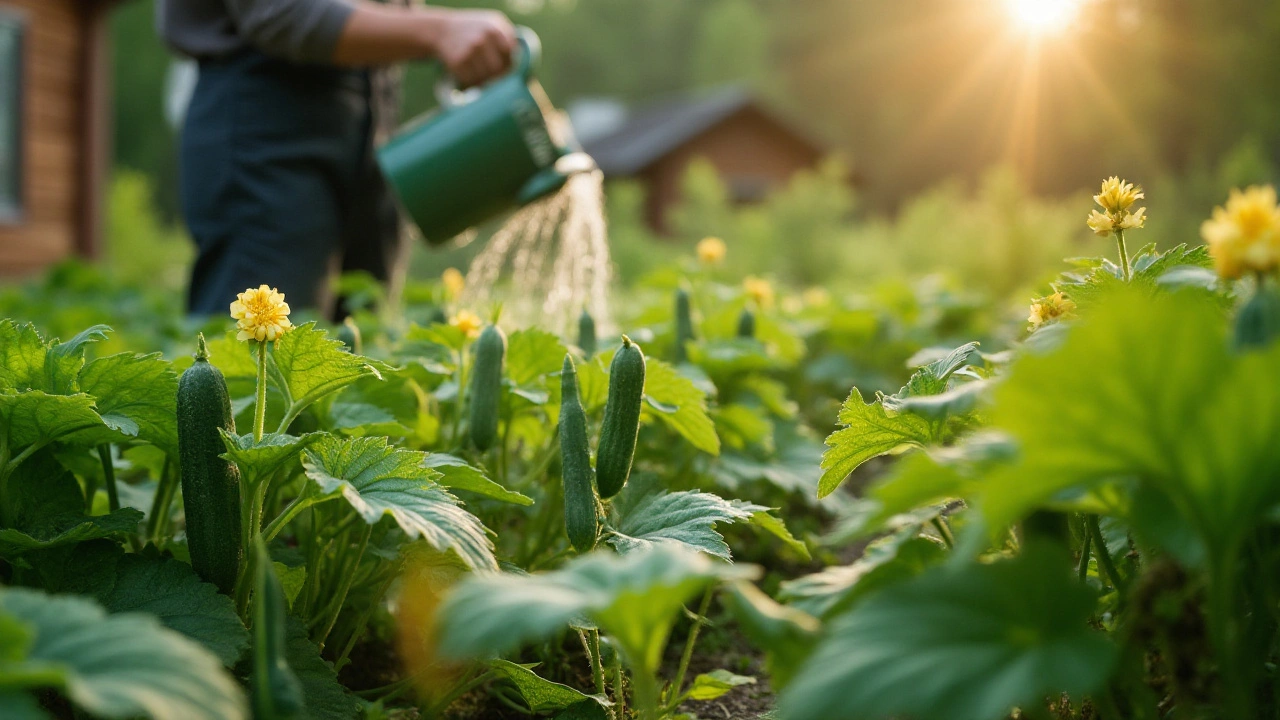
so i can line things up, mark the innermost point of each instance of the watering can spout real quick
(483, 153)
(549, 180)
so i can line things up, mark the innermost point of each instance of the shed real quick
(754, 150)
(54, 124)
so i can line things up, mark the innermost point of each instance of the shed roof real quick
(654, 131)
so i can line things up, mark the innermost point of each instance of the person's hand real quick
(475, 45)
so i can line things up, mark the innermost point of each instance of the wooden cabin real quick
(753, 150)
(54, 124)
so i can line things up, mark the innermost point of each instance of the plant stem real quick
(591, 642)
(619, 692)
(1124, 256)
(1083, 569)
(346, 586)
(1102, 553)
(290, 512)
(687, 655)
(361, 623)
(260, 409)
(158, 521)
(944, 533)
(109, 476)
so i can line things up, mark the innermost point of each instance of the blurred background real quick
(829, 142)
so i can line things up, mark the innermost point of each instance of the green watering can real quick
(483, 153)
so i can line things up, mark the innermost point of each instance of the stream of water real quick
(549, 261)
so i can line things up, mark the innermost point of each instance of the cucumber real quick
(587, 334)
(581, 519)
(621, 419)
(747, 324)
(210, 484)
(486, 386)
(349, 335)
(277, 694)
(684, 324)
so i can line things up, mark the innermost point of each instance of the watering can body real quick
(472, 160)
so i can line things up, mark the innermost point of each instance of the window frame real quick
(15, 213)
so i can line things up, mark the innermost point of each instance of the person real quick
(279, 185)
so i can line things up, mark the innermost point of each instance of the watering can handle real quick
(527, 54)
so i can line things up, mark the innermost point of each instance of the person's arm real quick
(474, 45)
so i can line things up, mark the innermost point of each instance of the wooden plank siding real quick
(63, 124)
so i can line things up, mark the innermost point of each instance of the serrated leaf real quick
(932, 378)
(869, 432)
(325, 697)
(666, 388)
(36, 417)
(709, 686)
(775, 526)
(64, 359)
(378, 480)
(532, 354)
(540, 694)
(121, 666)
(136, 395)
(258, 460)
(836, 589)
(635, 599)
(685, 517)
(170, 590)
(457, 474)
(307, 365)
(22, 357)
(960, 641)
(957, 401)
(48, 510)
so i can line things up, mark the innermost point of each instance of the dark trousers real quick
(279, 183)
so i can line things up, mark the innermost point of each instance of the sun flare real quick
(1044, 17)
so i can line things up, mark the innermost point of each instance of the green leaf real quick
(136, 395)
(869, 431)
(585, 710)
(307, 365)
(291, 580)
(36, 417)
(686, 517)
(260, 460)
(960, 641)
(1146, 387)
(677, 403)
(532, 354)
(325, 697)
(957, 401)
(540, 694)
(120, 666)
(455, 473)
(932, 378)
(709, 686)
(48, 510)
(22, 357)
(743, 427)
(20, 706)
(836, 589)
(635, 599)
(775, 526)
(786, 635)
(379, 480)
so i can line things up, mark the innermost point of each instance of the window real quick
(11, 29)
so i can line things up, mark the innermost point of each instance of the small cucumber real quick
(587, 334)
(621, 419)
(210, 484)
(486, 386)
(277, 694)
(581, 521)
(747, 324)
(684, 325)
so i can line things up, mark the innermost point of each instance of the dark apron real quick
(279, 182)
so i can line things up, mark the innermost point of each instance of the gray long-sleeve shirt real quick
(298, 30)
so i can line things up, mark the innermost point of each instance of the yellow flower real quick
(453, 281)
(711, 251)
(1117, 195)
(759, 290)
(1244, 236)
(1116, 198)
(261, 314)
(1101, 223)
(468, 322)
(1049, 308)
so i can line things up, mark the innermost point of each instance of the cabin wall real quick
(51, 223)
(751, 152)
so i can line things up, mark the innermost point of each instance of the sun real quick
(1043, 17)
